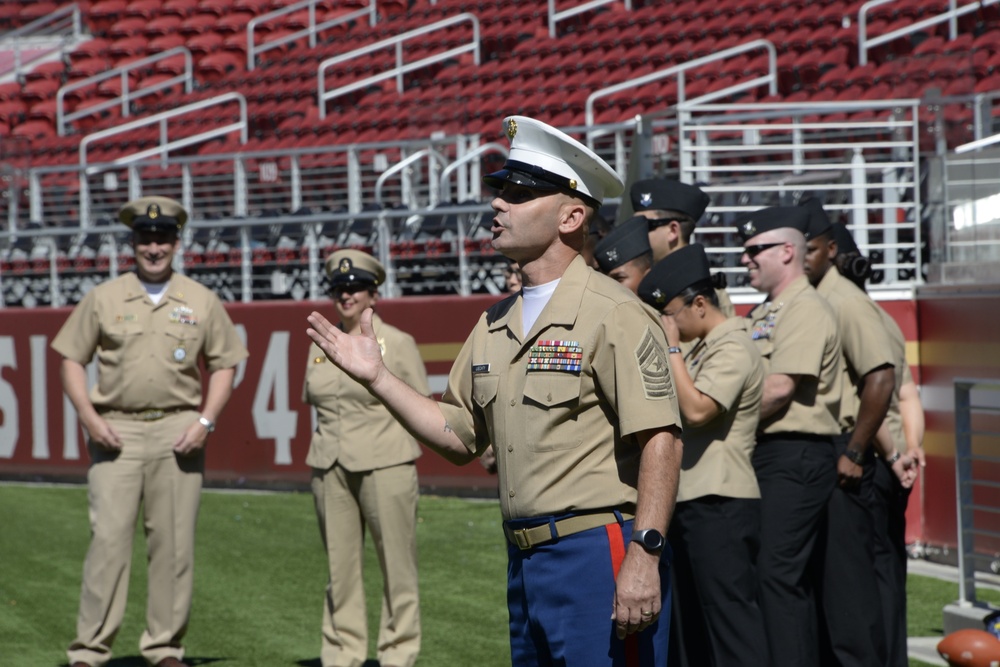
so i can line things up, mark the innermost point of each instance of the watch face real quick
(651, 539)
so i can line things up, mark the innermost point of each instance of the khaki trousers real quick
(145, 472)
(384, 501)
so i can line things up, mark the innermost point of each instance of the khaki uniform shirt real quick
(797, 335)
(863, 338)
(893, 419)
(562, 405)
(147, 355)
(353, 428)
(725, 366)
(725, 303)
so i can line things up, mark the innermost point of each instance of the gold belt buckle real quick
(521, 538)
(151, 415)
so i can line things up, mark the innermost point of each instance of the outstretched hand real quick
(358, 356)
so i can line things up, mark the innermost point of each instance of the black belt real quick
(791, 435)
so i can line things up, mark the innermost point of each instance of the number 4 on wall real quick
(276, 422)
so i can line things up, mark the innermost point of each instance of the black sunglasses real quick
(656, 223)
(349, 288)
(754, 250)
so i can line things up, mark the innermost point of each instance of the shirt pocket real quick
(551, 404)
(183, 343)
(484, 388)
(119, 335)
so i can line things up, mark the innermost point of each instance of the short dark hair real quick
(643, 261)
(684, 221)
(701, 288)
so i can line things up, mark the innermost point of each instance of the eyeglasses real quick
(754, 250)
(656, 223)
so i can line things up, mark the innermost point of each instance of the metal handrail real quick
(491, 147)
(965, 504)
(680, 70)
(464, 284)
(555, 17)
(322, 96)
(165, 145)
(952, 15)
(311, 31)
(55, 20)
(187, 78)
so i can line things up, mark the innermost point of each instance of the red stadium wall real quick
(958, 339)
(263, 435)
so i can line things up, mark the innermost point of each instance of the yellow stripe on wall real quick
(439, 351)
(958, 354)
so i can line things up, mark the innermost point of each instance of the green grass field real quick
(259, 578)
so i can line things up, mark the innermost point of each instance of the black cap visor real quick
(536, 178)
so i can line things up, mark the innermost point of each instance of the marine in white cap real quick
(569, 381)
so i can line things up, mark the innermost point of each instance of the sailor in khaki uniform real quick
(850, 602)
(897, 465)
(147, 425)
(624, 254)
(672, 210)
(796, 334)
(569, 381)
(364, 477)
(716, 525)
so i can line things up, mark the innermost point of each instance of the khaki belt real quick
(526, 538)
(141, 415)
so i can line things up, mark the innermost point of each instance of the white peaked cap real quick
(545, 158)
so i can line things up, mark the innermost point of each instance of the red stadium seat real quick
(36, 10)
(92, 48)
(126, 27)
(182, 8)
(166, 25)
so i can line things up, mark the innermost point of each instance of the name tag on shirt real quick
(480, 368)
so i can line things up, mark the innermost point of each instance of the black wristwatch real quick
(856, 457)
(650, 539)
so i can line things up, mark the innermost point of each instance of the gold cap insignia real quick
(511, 128)
(658, 296)
(345, 265)
(572, 184)
(153, 212)
(749, 229)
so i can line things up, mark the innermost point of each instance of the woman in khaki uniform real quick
(716, 525)
(364, 476)
(147, 425)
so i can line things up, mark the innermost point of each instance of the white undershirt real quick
(155, 290)
(534, 300)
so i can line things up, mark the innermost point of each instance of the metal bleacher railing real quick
(401, 67)
(130, 90)
(866, 169)
(262, 239)
(950, 16)
(977, 445)
(43, 36)
(311, 32)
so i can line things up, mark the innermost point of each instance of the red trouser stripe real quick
(617, 544)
